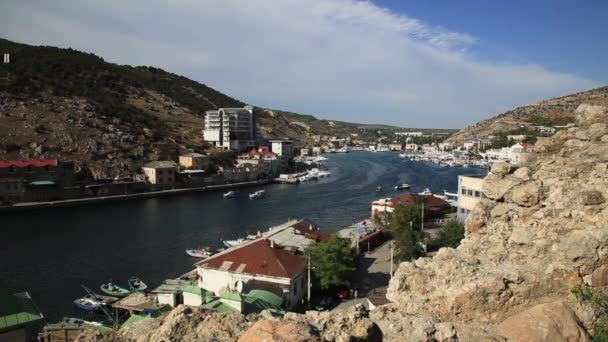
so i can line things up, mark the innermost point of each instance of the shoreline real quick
(144, 195)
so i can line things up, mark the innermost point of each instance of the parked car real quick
(326, 304)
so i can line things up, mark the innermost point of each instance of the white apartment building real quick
(230, 128)
(283, 148)
(470, 191)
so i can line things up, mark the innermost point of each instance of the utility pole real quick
(308, 296)
(422, 220)
(392, 251)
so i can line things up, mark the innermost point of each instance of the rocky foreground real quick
(541, 232)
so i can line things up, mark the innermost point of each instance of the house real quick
(283, 148)
(412, 147)
(265, 162)
(231, 128)
(194, 161)
(433, 204)
(470, 192)
(517, 137)
(409, 134)
(546, 130)
(395, 147)
(160, 172)
(519, 153)
(18, 315)
(476, 143)
(257, 264)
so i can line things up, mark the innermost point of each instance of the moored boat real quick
(88, 303)
(230, 194)
(204, 252)
(379, 188)
(232, 243)
(137, 285)
(257, 194)
(114, 290)
(402, 186)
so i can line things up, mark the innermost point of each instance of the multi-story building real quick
(160, 172)
(194, 161)
(470, 191)
(231, 128)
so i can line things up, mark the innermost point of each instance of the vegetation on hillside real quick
(597, 298)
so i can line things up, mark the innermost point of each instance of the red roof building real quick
(26, 163)
(431, 203)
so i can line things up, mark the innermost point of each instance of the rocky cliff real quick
(541, 232)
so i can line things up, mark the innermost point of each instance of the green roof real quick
(266, 296)
(218, 306)
(231, 296)
(16, 310)
(134, 319)
(194, 290)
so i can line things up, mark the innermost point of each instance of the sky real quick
(428, 63)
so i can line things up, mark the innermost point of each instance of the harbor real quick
(149, 237)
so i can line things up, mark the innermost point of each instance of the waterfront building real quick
(261, 161)
(11, 190)
(283, 147)
(433, 204)
(395, 147)
(412, 147)
(231, 128)
(160, 172)
(476, 143)
(60, 173)
(18, 315)
(194, 161)
(470, 192)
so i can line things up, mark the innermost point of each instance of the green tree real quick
(450, 235)
(404, 225)
(333, 260)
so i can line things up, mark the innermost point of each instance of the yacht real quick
(402, 186)
(257, 194)
(232, 243)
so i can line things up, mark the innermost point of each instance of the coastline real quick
(144, 195)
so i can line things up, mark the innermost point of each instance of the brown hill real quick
(558, 110)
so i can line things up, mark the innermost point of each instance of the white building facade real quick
(470, 192)
(231, 128)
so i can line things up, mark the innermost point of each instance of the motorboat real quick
(426, 191)
(402, 186)
(257, 194)
(230, 194)
(88, 303)
(114, 290)
(204, 252)
(137, 285)
(232, 243)
(379, 188)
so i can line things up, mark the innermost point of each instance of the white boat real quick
(230, 194)
(379, 188)
(323, 173)
(232, 243)
(426, 191)
(403, 155)
(402, 186)
(343, 150)
(204, 252)
(257, 194)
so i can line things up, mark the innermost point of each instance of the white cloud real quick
(341, 59)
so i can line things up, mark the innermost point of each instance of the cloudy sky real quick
(432, 64)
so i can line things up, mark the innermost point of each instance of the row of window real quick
(162, 180)
(472, 193)
(464, 211)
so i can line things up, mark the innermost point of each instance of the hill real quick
(555, 111)
(67, 104)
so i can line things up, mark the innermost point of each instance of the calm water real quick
(50, 253)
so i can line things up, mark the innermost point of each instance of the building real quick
(195, 161)
(51, 170)
(519, 153)
(283, 147)
(231, 128)
(11, 190)
(160, 172)
(546, 130)
(433, 204)
(476, 143)
(412, 147)
(517, 137)
(395, 147)
(409, 134)
(18, 315)
(470, 191)
(266, 163)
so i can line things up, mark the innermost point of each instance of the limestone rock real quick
(588, 114)
(275, 331)
(527, 194)
(496, 186)
(592, 197)
(554, 322)
(501, 168)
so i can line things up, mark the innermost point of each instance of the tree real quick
(404, 225)
(450, 235)
(333, 261)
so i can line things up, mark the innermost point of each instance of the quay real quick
(151, 194)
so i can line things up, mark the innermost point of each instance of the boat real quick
(402, 186)
(88, 303)
(136, 285)
(114, 290)
(379, 188)
(232, 243)
(204, 252)
(230, 194)
(426, 191)
(257, 194)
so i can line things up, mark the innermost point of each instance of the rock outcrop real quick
(542, 231)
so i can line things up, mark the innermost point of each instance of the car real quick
(343, 294)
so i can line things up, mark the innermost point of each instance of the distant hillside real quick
(67, 104)
(548, 112)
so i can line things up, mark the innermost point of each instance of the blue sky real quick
(408, 63)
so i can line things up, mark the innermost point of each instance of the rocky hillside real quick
(67, 104)
(541, 233)
(555, 111)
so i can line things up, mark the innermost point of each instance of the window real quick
(160, 180)
(477, 194)
(463, 191)
(470, 193)
(160, 172)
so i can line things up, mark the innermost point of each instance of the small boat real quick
(88, 303)
(379, 188)
(257, 194)
(136, 285)
(402, 186)
(113, 290)
(230, 194)
(204, 252)
(426, 191)
(232, 243)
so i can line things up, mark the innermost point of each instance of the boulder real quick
(551, 322)
(275, 331)
(591, 197)
(501, 168)
(527, 194)
(588, 114)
